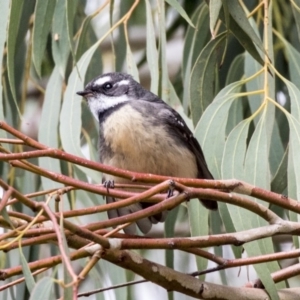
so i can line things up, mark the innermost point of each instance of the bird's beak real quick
(84, 93)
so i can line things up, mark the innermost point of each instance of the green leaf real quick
(295, 8)
(241, 35)
(214, 11)
(195, 40)
(164, 91)
(131, 65)
(202, 78)
(120, 54)
(257, 169)
(191, 33)
(294, 142)
(84, 32)
(30, 282)
(70, 116)
(44, 10)
(42, 290)
(293, 176)
(48, 127)
(216, 225)
(71, 10)
(235, 152)
(180, 10)
(293, 57)
(257, 172)
(236, 70)
(276, 149)
(198, 220)
(210, 130)
(116, 276)
(13, 27)
(86, 39)
(239, 16)
(4, 8)
(252, 67)
(280, 181)
(88, 199)
(60, 36)
(170, 232)
(152, 53)
(232, 167)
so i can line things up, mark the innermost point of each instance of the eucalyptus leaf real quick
(70, 116)
(257, 169)
(152, 53)
(164, 91)
(170, 232)
(195, 41)
(180, 10)
(243, 38)
(4, 8)
(210, 130)
(30, 282)
(235, 152)
(48, 129)
(198, 219)
(296, 12)
(214, 11)
(202, 78)
(44, 10)
(42, 289)
(240, 17)
(280, 181)
(131, 65)
(60, 36)
(16, 8)
(236, 72)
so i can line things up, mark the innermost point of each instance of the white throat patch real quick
(102, 103)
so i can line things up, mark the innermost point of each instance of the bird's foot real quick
(171, 189)
(109, 184)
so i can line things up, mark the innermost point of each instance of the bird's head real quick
(110, 90)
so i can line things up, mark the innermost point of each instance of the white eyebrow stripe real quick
(102, 80)
(123, 82)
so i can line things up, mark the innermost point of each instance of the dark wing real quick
(183, 134)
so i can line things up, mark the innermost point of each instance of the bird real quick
(139, 132)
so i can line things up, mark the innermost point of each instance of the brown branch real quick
(283, 274)
(232, 263)
(113, 287)
(287, 272)
(234, 185)
(98, 189)
(152, 210)
(163, 276)
(172, 280)
(68, 225)
(59, 238)
(81, 236)
(11, 141)
(235, 238)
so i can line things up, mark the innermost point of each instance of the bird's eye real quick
(107, 86)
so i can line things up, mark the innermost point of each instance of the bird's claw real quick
(109, 184)
(170, 193)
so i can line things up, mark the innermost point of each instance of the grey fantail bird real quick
(139, 132)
